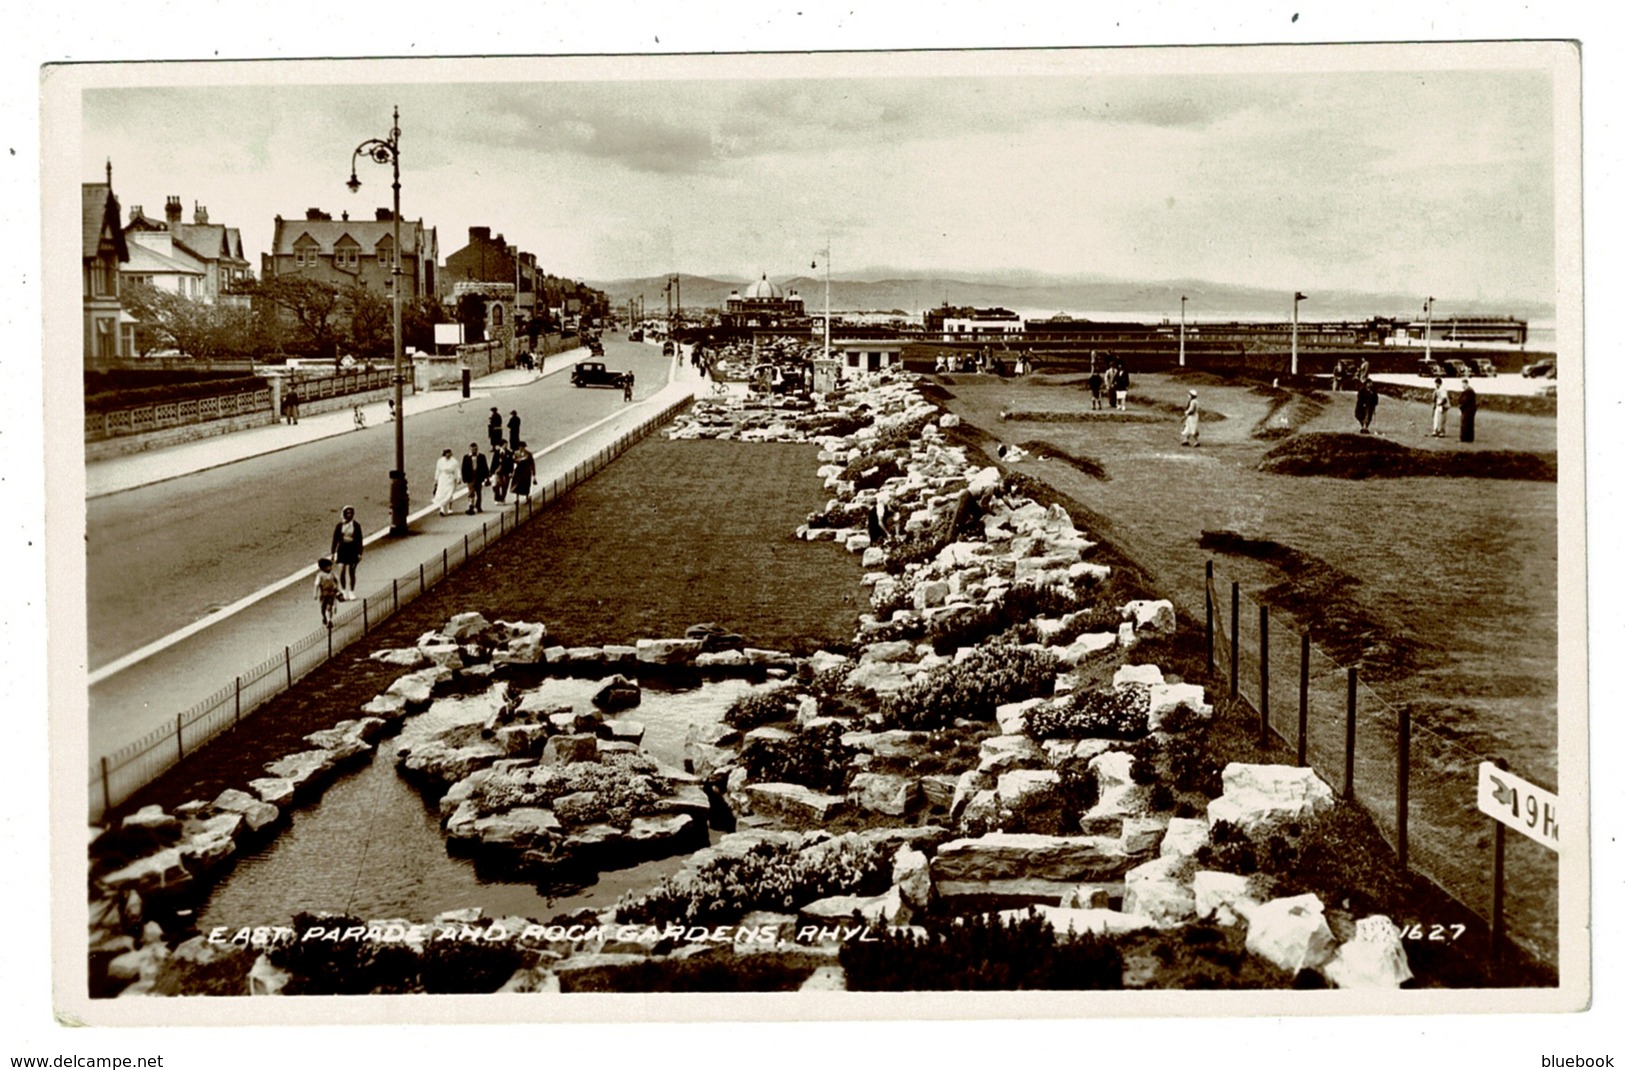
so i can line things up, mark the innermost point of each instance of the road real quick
(163, 556)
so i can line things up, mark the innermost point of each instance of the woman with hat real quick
(1191, 433)
(446, 473)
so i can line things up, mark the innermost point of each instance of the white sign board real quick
(448, 334)
(1518, 804)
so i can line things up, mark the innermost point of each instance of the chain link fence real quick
(116, 776)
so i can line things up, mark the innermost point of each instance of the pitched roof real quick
(211, 241)
(150, 261)
(367, 233)
(99, 215)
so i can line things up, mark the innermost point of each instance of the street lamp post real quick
(1296, 297)
(1427, 330)
(389, 151)
(1182, 300)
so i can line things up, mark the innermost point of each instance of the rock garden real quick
(1005, 780)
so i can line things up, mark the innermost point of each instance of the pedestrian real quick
(524, 470)
(513, 429)
(476, 471)
(1122, 387)
(327, 589)
(290, 405)
(1468, 404)
(1094, 388)
(1337, 376)
(1361, 405)
(446, 471)
(626, 386)
(1363, 372)
(493, 427)
(1441, 406)
(501, 471)
(1109, 381)
(346, 551)
(1191, 433)
(1371, 399)
(877, 521)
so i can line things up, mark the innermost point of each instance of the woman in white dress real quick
(446, 474)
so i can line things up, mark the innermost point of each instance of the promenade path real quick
(145, 689)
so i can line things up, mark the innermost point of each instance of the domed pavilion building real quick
(763, 306)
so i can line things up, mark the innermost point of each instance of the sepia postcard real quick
(1010, 533)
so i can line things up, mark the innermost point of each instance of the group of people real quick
(335, 585)
(506, 469)
(1113, 384)
(1466, 404)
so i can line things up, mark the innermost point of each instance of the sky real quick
(1236, 166)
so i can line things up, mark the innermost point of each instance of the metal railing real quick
(166, 414)
(1419, 787)
(115, 777)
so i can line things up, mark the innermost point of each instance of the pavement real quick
(146, 689)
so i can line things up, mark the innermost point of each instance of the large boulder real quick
(1019, 785)
(305, 767)
(1160, 889)
(1150, 617)
(416, 688)
(793, 803)
(1291, 933)
(1186, 836)
(566, 749)
(618, 693)
(884, 793)
(465, 626)
(911, 876)
(669, 651)
(1007, 855)
(1012, 716)
(881, 677)
(162, 872)
(1146, 675)
(1000, 754)
(525, 644)
(255, 813)
(1222, 896)
(1258, 798)
(1375, 958)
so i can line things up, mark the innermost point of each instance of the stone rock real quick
(930, 594)
(1087, 646)
(151, 818)
(1220, 895)
(982, 480)
(387, 706)
(140, 968)
(1005, 855)
(1186, 836)
(949, 419)
(1086, 574)
(521, 828)
(416, 688)
(1375, 958)
(1143, 835)
(1127, 675)
(1126, 639)
(302, 768)
(897, 650)
(161, 872)
(1150, 617)
(526, 644)
(938, 788)
(622, 731)
(465, 626)
(768, 733)
(911, 877)
(884, 793)
(444, 653)
(1012, 716)
(687, 799)
(447, 763)
(1000, 754)
(1018, 785)
(760, 658)
(341, 742)
(825, 979)
(1093, 896)
(405, 657)
(965, 788)
(714, 638)
(822, 661)
(881, 677)
(276, 791)
(794, 803)
(669, 651)
(874, 557)
(566, 749)
(1061, 750)
(1259, 797)
(618, 693)
(574, 722)
(859, 909)
(895, 743)
(1291, 933)
(660, 828)
(210, 842)
(265, 979)
(1120, 797)
(1166, 698)
(521, 740)
(721, 659)
(1160, 890)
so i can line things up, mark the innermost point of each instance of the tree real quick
(368, 330)
(174, 320)
(317, 309)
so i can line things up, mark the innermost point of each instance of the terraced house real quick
(197, 259)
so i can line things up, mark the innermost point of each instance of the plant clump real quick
(981, 953)
(973, 688)
(814, 758)
(1112, 713)
(756, 708)
(600, 792)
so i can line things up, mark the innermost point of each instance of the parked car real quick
(1457, 369)
(634, 335)
(1541, 369)
(593, 373)
(668, 349)
(1431, 369)
(1483, 366)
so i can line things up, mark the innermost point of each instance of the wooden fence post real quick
(107, 792)
(287, 657)
(444, 565)
(1207, 599)
(1403, 789)
(1235, 636)
(1348, 734)
(395, 594)
(237, 718)
(1303, 700)
(180, 747)
(420, 577)
(365, 623)
(1263, 674)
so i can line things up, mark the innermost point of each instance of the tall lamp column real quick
(389, 151)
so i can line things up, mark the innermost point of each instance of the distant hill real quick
(1036, 295)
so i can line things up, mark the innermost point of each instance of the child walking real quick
(327, 589)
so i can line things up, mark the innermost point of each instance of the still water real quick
(371, 846)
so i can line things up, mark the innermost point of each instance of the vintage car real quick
(668, 349)
(1458, 369)
(593, 373)
(1540, 369)
(1431, 369)
(1483, 366)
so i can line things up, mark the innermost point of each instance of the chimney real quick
(135, 212)
(316, 213)
(200, 214)
(477, 235)
(385, 215)
(172, 212)
(345, 215)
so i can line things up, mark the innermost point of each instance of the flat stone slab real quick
(1007, 856)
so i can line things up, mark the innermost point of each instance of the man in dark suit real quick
(475, 473)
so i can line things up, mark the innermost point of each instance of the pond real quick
(372, 847)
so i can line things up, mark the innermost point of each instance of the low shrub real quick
(1016, 607)
(842, 516)
(973, 688)
(1110, 713)
(756, 708)
(609, 792)
(1190, 767)
(769, 876)
(1198, 957)
(814, 758)
(903, 433)
(981, 953)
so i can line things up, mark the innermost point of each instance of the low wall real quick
(345, 401)
(1529, 405)
(124, 445)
